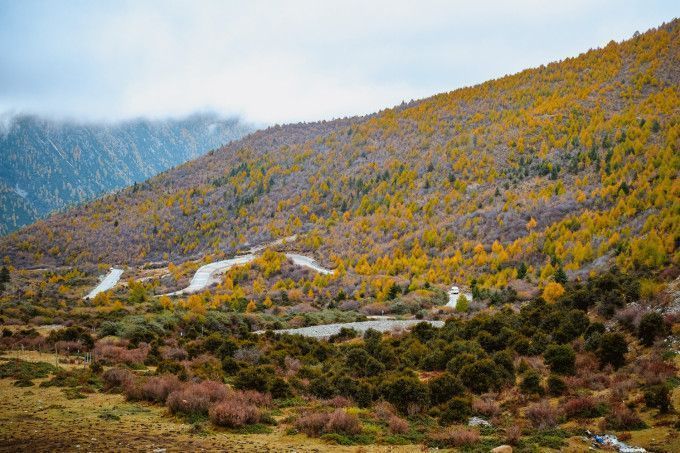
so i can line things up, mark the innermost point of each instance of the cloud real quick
(283, 61)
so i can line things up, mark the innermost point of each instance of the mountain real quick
(49, 165)
(567, 167)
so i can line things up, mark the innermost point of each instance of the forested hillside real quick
(49, 165)
(568, 167)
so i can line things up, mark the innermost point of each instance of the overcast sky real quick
(276, 62)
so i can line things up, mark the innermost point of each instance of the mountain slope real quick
(571, 165)
(48, 165)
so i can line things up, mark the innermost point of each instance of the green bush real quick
(658, 397)
(560, 358)
(651, 327)
(254, 378)
(613, 349)
(405, 392)
(458, 409)
(445, 387)
(482, 376)
(531, 383)
(556, 385)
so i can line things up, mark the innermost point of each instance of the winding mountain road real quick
(305, 261)
(107, 283)
(205, 275)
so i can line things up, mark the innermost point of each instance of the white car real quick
(454, 290)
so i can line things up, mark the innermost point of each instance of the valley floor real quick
(41, 419)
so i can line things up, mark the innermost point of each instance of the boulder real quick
(502, 449)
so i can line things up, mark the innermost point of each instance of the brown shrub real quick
(234, 412)
(254, 397)
(344, 423)
(338, 401)
(621, 418)
(69, 346)
(455, 437)
(397, 425)
(319, 423)
(582, 407)
(196, 398)
(116, 379)
(487, 407)
(173, 353)
(513, 434)
(112, 354)
(312, 424)
(157, 388)
(384, 410)
(654, 370)
(622, 389)
(375, 309)
(133, 390)
(542, 415)
(293, 365)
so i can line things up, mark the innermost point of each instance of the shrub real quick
(612, 350)
(486, 407)
(542, 415)
(658, 396)
(362, 364)
(583, 407)
(133, 390)
(73, 334)
(513, 434)
(457, 409)
(234, 412)
(651, 326)
(257, 398)
(280, 388)
(339, 401)
(397, 425)
(531, 383)
(654, 370)
(621, 418)
(177, 354)
(157, 388)
(116, 379)
(406, 393)
(170, 367)
(481, 376)
(445, 387)
(206, 367)
(113, 354)
(195, 399)
(384, 410)
(312, 424)
(454, 437)
(253, 378)
(341, 422)
(556, 385)
(560, 358)
(319, 423)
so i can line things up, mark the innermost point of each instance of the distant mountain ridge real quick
(48, 165)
